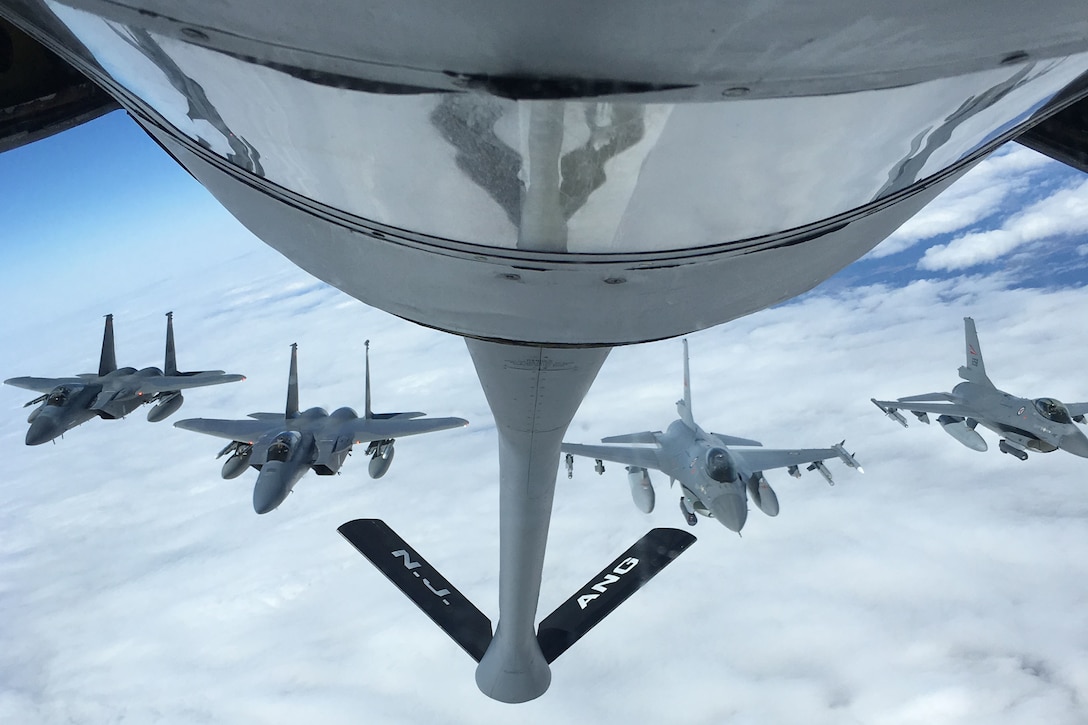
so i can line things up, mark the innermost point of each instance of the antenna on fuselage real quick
(107, 363)
(292, 384)
(170, 364)
(367, 413)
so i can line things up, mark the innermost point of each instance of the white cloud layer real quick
(942, 586)
(1058, 215)
(1008, 172)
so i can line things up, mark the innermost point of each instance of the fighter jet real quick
(282, 447)
(113, 392)
(714, 470)
(1041, 425)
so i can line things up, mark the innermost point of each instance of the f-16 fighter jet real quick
(714, 470)
(284, 446)
(113, 392)
(1041, 425)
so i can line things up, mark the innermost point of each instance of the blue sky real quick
(944, 585)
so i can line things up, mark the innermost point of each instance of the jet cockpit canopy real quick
(1053, 410)
(59, 396)
(281, 447)
(719, 466)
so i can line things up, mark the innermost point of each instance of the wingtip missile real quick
(847, 457)
(891, 412)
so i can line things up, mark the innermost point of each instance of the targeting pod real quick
(688, 510)
(1006, 447)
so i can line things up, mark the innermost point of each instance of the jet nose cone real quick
(731, 509)
(1076, 444)
(41, 430)
(270, 489)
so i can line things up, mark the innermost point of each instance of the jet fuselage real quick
(1021, 420)
(712, 476)
(63, 409)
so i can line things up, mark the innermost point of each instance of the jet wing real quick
(1076, 409)
(43, 385)
(936, 407)
(764, 459)
(246, 431)
(640, 456)
(735, 441)
(377, 429)
(165, 383)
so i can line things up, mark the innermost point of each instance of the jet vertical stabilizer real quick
(292, 384)
(368, 413)
(170, 364)
(683, 407)
(107, 363)
(975, 369)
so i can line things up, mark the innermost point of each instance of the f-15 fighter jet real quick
(113, 392)
(1041, 425)
(714, 470)
(284, 446)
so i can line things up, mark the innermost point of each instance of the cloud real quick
(1058, 215)
(137, 584)
(977, 196)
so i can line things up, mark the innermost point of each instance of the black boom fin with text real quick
(471, 629)
(603, 593)
(448, 608)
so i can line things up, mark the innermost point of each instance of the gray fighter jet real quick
(1041, 425)
(714, 470)
(284, 446)
(113, 392)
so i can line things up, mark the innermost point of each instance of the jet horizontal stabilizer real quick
(927, 398)
(643, 437)
(397, 416)
(609, 589)
(421, 582)
(266, 416)
(735, 441)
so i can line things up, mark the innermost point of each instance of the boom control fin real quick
(600, 596)
(448, 608)
(471, 629)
